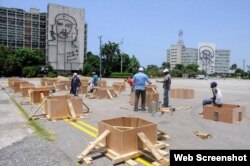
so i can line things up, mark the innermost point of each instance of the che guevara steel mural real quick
(206, 56)
(65, 31)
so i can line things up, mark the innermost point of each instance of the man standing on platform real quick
(140, 80)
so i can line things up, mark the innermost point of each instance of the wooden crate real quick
(25, 87)
(182, 93)
(102, 83)
(48, 81)
(150, 96)
(228, 113)
(151, 88)
(83, 88)
(63, 85)
(56, 107)
(35, 94)
(101, 92)
(84, 80)
(123, 136)
(119, 86)
(16, 85)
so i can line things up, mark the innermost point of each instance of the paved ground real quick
(72, 138)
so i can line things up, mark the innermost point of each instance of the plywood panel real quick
(125, 140)
(227, 113)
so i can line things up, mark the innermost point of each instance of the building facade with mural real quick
(61, 33)
(208, 58)
(65, 42)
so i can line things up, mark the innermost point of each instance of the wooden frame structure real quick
(104, 92)
(181, 93)
(119, 86)
(60, 107)
(228, 113)
(113, 141)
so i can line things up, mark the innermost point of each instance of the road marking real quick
(138, 159)
(87, 125)
(82, 128)
(145, 162)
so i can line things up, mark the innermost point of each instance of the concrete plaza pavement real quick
(180, 125)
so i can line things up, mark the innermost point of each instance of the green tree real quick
(233, 67)
(29, 57)
(109, 51)
(4, 53)
(165, 65)
(133, 65)
(92, 63)
(152, 70)
(239, 72)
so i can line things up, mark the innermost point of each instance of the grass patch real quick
(39, 129)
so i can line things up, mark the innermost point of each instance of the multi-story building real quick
(206, 56)
(20, 29)
(61, 33)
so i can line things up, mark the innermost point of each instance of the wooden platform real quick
(110, 144)
(61, 107)
(228, 113)
(181, 93)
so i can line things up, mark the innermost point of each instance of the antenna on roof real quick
(180, 42)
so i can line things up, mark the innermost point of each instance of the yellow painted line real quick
(144, 162)
(82, 129)
(87, 125)
(140, 160)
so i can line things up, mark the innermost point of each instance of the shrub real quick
(121, 75)
(30, 71)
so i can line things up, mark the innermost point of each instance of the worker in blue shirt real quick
(95, 78)
(140, 80)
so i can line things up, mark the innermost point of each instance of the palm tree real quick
(109, 52)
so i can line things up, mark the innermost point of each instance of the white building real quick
(209, 58)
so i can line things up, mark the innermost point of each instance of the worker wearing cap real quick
(140, 80)
(95, 78)
(75, 84)
(217, 96)
(166, 86)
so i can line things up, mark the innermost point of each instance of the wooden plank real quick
(71, 110)
(125, 157)
(35, 111)
(131, 162)
(123, 127)
(66, 87)
(86, 106)
(109, 94)
(150, 146)
(154, 89)
(42, 96)
(87, 161)
(93, 144)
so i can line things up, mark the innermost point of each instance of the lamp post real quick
(121, 54)
(100, 54)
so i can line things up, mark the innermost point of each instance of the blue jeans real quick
(207, 101)
(165, 97)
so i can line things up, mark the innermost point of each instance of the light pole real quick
(100, 54)
(121, 54)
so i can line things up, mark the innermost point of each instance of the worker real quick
(140, 80)
(166, 86)
(75, 84)
(217, 96)
(131, 83)
(95, 78)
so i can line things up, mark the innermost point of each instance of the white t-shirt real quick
(218, 95)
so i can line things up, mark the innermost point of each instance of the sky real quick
(149, 27)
